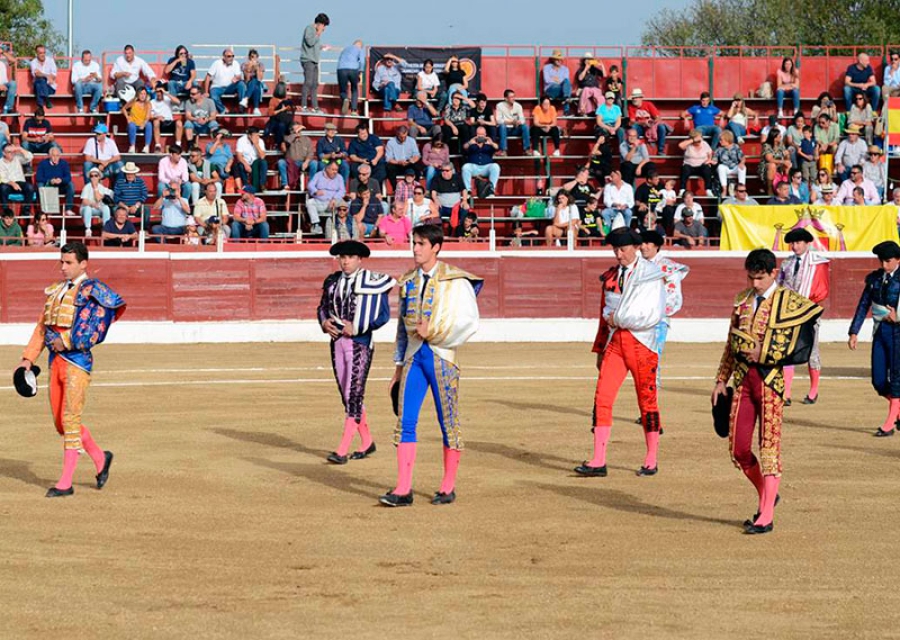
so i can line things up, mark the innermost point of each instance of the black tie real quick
(759, 301)
(796, 267)
(425, 279)
(69, 285)
(621, 278)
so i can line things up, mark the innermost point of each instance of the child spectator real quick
(808, 155)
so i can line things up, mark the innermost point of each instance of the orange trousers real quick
(625, 354)
(68, 391)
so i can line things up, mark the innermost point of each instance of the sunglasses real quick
(741, 190)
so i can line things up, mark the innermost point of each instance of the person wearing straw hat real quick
(557, 84)
(850, 151)
(645, 117)
(131, 192)
(590, 77)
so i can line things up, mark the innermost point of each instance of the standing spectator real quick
(250, 160)
(367, 148)
(545, 125)
(729, 161)
(645, 118)
(12, 176)
(40, 232)
(798, 188)
(698, 157)
(253, 72)
(342, 226)
(94, 201)
(37, 133)
(435, 154)
(181, 71)
(706, 118)
(326, 189)
(175, 210)
(129, 69)
(690, 233)
(590, 84)
(11, 234)
(455, 78)
(55, 172)
(299, 157)
(635, 157)
(774, 161)
(200, 115)
(219, 153)
(8, 80)
(688, 207)
(614, 83)
(788, 79)
(783, 195)
(824, 103)
(874, 169)
(420, 117)
(87, 80)
(250, 216)
(850, 152)
(739, 116)
(351, 64)
(862, 116)
(395, 228)
(173, 168)
(860, 78)
(310, 53)
(479, 152)
(557, 84)
(137, 112)
(856, 179)
(224, 78)
(201, 174)
(565, 219)
(609, 119)
(449, 192)
(331, 150)
(131, 192)
(119, 231)
(511, 120)
(427, 80)
(387, 81)
(618, 199)
(481, 115)
(401, 153)
(808, 155)
(43, 76)
(456, 119)
(891, 86)
(101, 151)
(162, 116)
(211, 212)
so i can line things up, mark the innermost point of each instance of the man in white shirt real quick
(250, 160)
(101, 152)
(43, 75)
(618, 198)
(128, 70)
(511, 119)
(856, 179)
(12, 176)
(8, 79)
(162, 117)
(224, 78)
(86, 80)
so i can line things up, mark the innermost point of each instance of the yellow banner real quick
(834, 228)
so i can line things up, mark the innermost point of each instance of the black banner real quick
(414, 57)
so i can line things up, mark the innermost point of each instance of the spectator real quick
(281, 113)
(646, 120)
(565, 219)
(609, 119)
(366, 211)
(456, 118)
(131, 192)
(55, 172)
(331, 150)
(181, 71)
(8, 81)
(37, 133)
(310, 52)
(351, 63)
(87, 80)
(668, 203)
(794, 137)
(481, 115)
(557, 85)
(856, 179)
(590, 82)
(827, 134)
(250, 160)
(614, 83)
(219, 153)
(40, 232)
(545, 125)
(788, 80)
(128, 70)
(95, 201)
(827, 195)
(579, 188)
(119, 231)
(891, 86)
(43, 76)
(4, 135)
(706, 118)
(365, 182)
(690, 233)
(200, 115)
(12, 176)
(783, 195)
(299, 157)
(405, 188)
(342, 226)
(449, 192)
(688, 207)
(647, 198)
(401, 153)
(618, 199)
(201, 174)
(698, 158)
(395, 228)
(250, 216)
(170, 168)
(859, 197)
(137, 112)
(435, 154)
(874, 169)
(212, 211)
(798, 188)
(367, 148)
(101, 151)
(600, 162)
(253, 73)
(511, 120)
(824, 103)
(455, 78)
(176, 212)
(729, 161)
(163, 118)
(635, 157)
(860, 78)
(817, 188)
(11, 234)
(427, 80)
(851, 151)
(326, 189)
(420, 117)
(771, 124)
(808, 155)
(739, 116)
(479, 152)
(224, 78)
(774, 161)
(590, 220)
(468, 230)
(741, 197)
(421, 210)
(387, 81)
(862, 116)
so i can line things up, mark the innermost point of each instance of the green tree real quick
(22, 23)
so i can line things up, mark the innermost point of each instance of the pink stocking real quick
(70, 461)
(406, 458)
(451, 465)
(95, 452)
(814, 375)
(788, 380)
(652, 438)
(893, 412)
(601, 437)
(770, 492)
(364, 432)
(350, 427)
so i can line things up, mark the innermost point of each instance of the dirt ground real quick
(222, 519)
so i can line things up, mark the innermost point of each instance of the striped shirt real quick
(130, 193)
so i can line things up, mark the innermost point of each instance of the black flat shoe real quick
(787, 402)
(748, 523)
(639, 421)
(884, 434)
(334, 458)
(808, 400)
(53, 492)
(644, 471)
(444, 498)
(755, 529)
(359, 455)
(393, 500)
(591, 472)
(103, 476)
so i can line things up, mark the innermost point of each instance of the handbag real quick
(535, 208)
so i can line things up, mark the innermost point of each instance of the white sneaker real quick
(244, 102)
(556, 153)
(131, 149)
(146, 149)
(740, 140)
(70, 213)
(780, 114)
(536, 153)
(316, 228)
(88, 233)
(257, 112)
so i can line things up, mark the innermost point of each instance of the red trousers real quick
(625, 354)
(68, 389)
(756, 403)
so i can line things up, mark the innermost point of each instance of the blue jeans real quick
(711, 130)
(9, 106)
(260, 230)
(132, 133)
(42, 90)
(40, 147)
(490, 171)
(429, 176)
(738, 130)
(67, 188)
(253, 91)
(112, 170)
(351, 77)
(795, 98)
(561, 91)
(609, 216)
(92, 89)
(176, 87)
(162, 230)
(3, 141)
(873, 93)
(390, 93)
(662, 130)
(234, 89)
(421, 375)
(89, 213)
(521, 129)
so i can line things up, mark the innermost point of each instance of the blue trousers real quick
(427, 370)
(885, 367)
(133, 131)
(560, 91)
(235, 88)
(389, 93)
(42, 91)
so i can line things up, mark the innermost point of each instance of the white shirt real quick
(429, 80)
(417, 212)
(162, 108)
(80, 71)
(47, 68)
(4, 79)
(509, 115)
(696, 208)
(102, 152)
(613, 195)
(567, 214)
(223, 74)
(247, 149)
(664, 196)
(134, 68)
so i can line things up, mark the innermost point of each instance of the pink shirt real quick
(36, 236)
(397, 229)
(697, 156)
(785, 77)
(169, 172)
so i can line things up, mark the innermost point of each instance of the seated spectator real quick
(43, 76)
(331, 150)
(455, 79)
(590, 84)
(128, 71)
(387, 81)
(891, 86)
(823, 179)
(219, 153)
(250, 160)
(698, 159)
(396, 227)
(706, 118)
(772, 124)
(420, 117)
(647, 198)
(163, 117)
(250, 216)
(131, 192)
(225, 78)
(435, 154)
(367, 148)
(201, 174)
(253, 72)
(774, 161)
(11, 234)
(741, 197)
(119, 230)
(874, 169)
(40, 232)
(12, 176)
(851, 151)
(456, 121)
(8, 81)
(137, 112)
(481, 115)
(342, 226)
(793, 138)
(37, 133)
(688, 207)
(565, 219)
(799, 189)
(421, 210)
(827, 195)
(281, 112)
(4, 135)
(449, 192)
(365, 182)
(739, 117)
(862, 116)
(401, 153)
(479, 154)
(511, 121)
(176, 212)
(86, 80)
(590, 226)
(689, 233)
(101, 151)
(729, 161)
(635, 157)
(170, 168)
(299, 157)
(783, 195)
(468, 230)
(600, 160)
(545, 125)
(824, 103)
(427, 80)
(557, 85)
(646, 120)
(860, 78)
(366, 211)
(615, 84)
(95, 201)
(609, 119)
(618, 199)
(787, 81)
(181, 70)
(55, 172)
(579, 188)
(827, 134)
(211, 210)
(199, 114)
(856, 179)
(405, 188)
(326, 190)
(351, 64)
